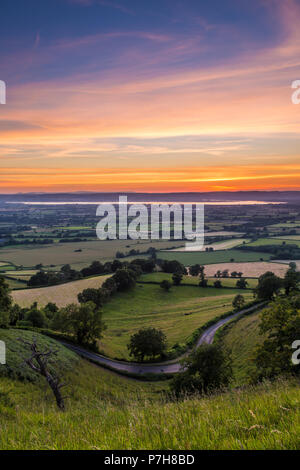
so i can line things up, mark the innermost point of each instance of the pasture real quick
(188, 258)
(274, 241)
(178, 313)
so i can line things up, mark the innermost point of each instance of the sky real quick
(150, 96)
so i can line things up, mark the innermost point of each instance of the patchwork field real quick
(222, 256)
(62, 294)
(254, 269)
(178, 313)
(62, 253)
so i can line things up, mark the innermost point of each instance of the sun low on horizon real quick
(157, 96)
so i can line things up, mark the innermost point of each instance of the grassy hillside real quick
(220, 256)
(178, 313)
(16, 352)
(105, 411)
(62, 294)
(241, 337)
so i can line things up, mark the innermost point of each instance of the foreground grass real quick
(105, 411)
(178, 313)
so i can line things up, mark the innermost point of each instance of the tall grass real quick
(105, 411)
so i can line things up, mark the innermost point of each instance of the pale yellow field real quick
(253, 269)
(61, 295)
(223, 245)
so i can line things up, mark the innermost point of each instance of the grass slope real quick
(16, 352)
(109, 412)
(241, 337)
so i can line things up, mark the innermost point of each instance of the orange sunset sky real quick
(150, 96)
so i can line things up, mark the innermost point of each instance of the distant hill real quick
(85, 196)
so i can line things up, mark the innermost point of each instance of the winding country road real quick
(156, 368)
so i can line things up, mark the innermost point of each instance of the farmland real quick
(221, 245)
(222, 256)
(254, 269)
(274, 241)
(62, 294)
(61, 253)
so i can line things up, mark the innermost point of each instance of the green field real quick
(289, 238)
(222, 256)
(61, 294)
(226, 282)
(178, 313)
(241, 337)
(273, 241)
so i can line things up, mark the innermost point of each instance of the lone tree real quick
(238, 302)
(84, 320)
(241, 283)
(39, 362)
(177, 278)
(291, 279)
(207, 368)
(147, 342)
(218, 284)
(166, 285)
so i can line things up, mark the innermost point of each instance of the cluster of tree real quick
(123, 279)
(283, 251)
(48, 278)
(269, 285)
(28, 241)
(133, 252)
(83, 321)
(280, 325)
(171, 267)
(225, 273)
(206, 369)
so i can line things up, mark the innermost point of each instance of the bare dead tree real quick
(39, 362)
